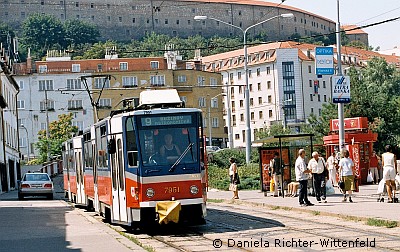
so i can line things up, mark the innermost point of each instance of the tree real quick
(42, 32)
(98, 50)
(5, 32)
(78, 32)
(59, 132)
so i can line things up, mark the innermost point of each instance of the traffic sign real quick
(340, 89)
(324, 61)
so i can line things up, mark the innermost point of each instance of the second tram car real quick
(143, 165)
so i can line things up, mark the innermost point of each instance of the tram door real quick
(80, 187)
(118, 183)
(96, 203)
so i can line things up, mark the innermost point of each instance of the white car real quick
(36, 184)
(211, 149)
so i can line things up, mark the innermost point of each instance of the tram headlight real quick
(194, 189)
(150, 192)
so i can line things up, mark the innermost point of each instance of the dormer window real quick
(42, 69)
(76, 68)
(123, 66)
(154, 64)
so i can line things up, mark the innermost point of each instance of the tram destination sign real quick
(166, 120)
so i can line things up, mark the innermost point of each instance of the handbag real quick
(341, 184)
(370, 179)
(232, 187)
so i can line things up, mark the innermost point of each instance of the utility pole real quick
(47, 124)
(339, 73)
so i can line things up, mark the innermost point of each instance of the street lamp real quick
(247, 91)
(209, 118)
(27, 140)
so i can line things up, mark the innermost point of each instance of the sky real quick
(359, 12)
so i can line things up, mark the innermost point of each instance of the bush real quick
(218, 177)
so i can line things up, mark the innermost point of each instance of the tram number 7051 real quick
(172, 189)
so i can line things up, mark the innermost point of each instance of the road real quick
(37, 224)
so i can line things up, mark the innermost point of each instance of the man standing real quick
(317, 166)
(373, 167)
(332, 164)
(276, 170)
(302, 177)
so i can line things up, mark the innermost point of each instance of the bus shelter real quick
(287, 146)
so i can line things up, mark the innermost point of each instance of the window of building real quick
(251, 87)
(120, 19)
(21, 85)
(270, 113)
(74, 84)
(251, 102)
(239, 75)
(76, 4)
(78, 124)
(260, 114)
(260, 100)
(105, 103)
(319, 97)
(202, 102)
(21, 104)
(259, 86)
(213, 82)
(311, 97)
(269, 99)
(324, 98)
(157, 80)
(312, 110)
(214, 122)
(242, 117)
(75, 104)
(319, 112)
(309, 69)
(50, 105)
(323, 84)
(154, 64)
(133, 20)
(99, 82)
(201, 81)
(258, 71)
(123, 66)
(252, 116)
(76, 68)
(129, 81)
(241, 103)
(237, 136)
(268, 84)
(42, 69)
(108, 18)
(99, 67)
(214, 102)
(240, 89)
(46, 85)
(249, 71)
(166, 21)
(181, 78)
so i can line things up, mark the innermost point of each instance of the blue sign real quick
(341, 89)
(324, 61)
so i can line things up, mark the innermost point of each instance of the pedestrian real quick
(346, 171)
(292, 189)
(373, 167)
(276, 170)
(234, 178)
(317, 166)
(332, 168)
(302, 177)
(389, 172)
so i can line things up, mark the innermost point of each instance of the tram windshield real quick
(166, 140)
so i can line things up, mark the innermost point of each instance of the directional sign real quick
(324, 61)
(340, 89)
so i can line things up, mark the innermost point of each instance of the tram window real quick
(133, 158)
(131, 148)
(120, 166)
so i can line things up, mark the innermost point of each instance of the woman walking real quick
(233, 174)
(389, 172)
(346, 172)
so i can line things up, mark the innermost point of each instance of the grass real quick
(275, 207)
(316, 213)
(215, 200)
(381, 223)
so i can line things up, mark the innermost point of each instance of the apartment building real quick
(282, 83)
(91, 89)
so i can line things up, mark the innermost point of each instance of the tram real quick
(141, 165)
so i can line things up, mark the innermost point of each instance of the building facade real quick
(91, 89)
(282, 83)
(125, 20)
(9, 149)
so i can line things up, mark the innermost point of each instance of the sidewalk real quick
(365, 203)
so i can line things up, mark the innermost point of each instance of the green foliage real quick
(218, 177)
(5, 30)
(42, 32)
(381, 223)
(98, 50)
(221, 158)
(59, 132)
(78, 32)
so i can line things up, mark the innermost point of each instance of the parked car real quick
(35, 184)
(211, 149)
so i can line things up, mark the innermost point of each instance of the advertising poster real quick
(265, 157)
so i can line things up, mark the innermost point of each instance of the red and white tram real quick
(125, 168)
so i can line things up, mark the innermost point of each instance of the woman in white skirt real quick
(389, 172)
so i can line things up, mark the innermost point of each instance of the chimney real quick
(29, 62)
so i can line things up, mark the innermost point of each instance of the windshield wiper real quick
(181, 157)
